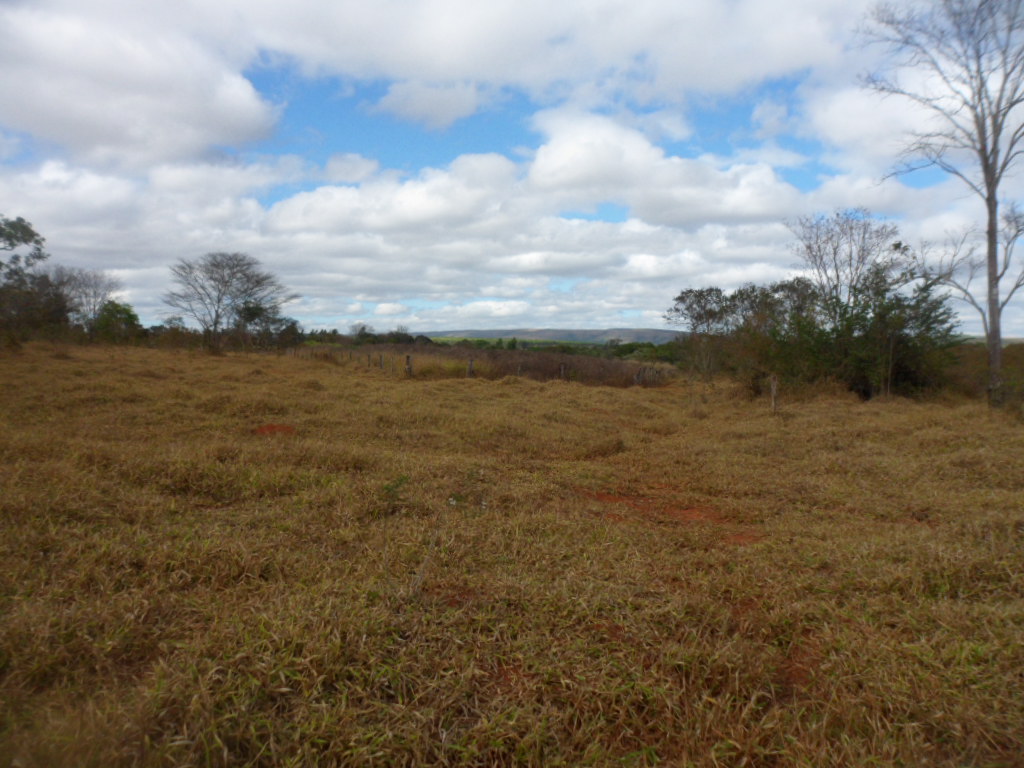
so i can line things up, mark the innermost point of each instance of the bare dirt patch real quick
(655, 508)
(798, 669)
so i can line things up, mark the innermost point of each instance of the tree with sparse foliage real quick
(880, 321)
(962, 62)
(219, 288)
(87, 291)
(844, 252)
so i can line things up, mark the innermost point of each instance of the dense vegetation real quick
(866, 315)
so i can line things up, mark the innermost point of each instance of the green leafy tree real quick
(895, 338)
(264, 326)
(778, 331)
(117, 322)
(30, 301)
(862, 316)
(876, 313)
(708, 315)
(25, 245)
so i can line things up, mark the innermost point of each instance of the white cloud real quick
(120, 81)
(390, 309)
(463, 194)
(590, 153)
(113, 94)
(588, 159)
(349, 168)
(437, 106)
(863, 131)
(209, 182)
(130, 123)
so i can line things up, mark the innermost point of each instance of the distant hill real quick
(585, 336)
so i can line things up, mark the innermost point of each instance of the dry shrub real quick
(437, 362)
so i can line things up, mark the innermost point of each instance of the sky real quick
(454, 164)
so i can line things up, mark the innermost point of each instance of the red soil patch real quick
(797, 669)
(651, 507)
(650, 504)
(274, 429)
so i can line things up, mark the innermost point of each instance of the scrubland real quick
(462, 572)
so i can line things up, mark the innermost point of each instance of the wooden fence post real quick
(408, 366)
(469, 370)
(773, 384)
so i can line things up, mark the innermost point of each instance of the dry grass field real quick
(453, 572)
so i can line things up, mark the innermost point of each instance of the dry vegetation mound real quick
(267, 561)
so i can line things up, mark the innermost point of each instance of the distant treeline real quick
(361, 335)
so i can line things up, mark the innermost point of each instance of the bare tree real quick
(959, 264)
(214, 289)
(971, 56)
(87, 290)
(845, 251)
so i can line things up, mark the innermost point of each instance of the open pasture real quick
(262, 561)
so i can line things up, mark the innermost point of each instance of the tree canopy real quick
(862, 316)
(16, 234)
(222, 290)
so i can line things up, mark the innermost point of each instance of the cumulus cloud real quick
(437, 106)
(349, 168)
(467, 192)
(111, 94)
(126, 135)
(590, 153)
(119, 81)
(390, 309)
(588, 159)
(540, 46)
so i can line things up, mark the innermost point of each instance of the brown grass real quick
(475, 573)
(454, 362)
